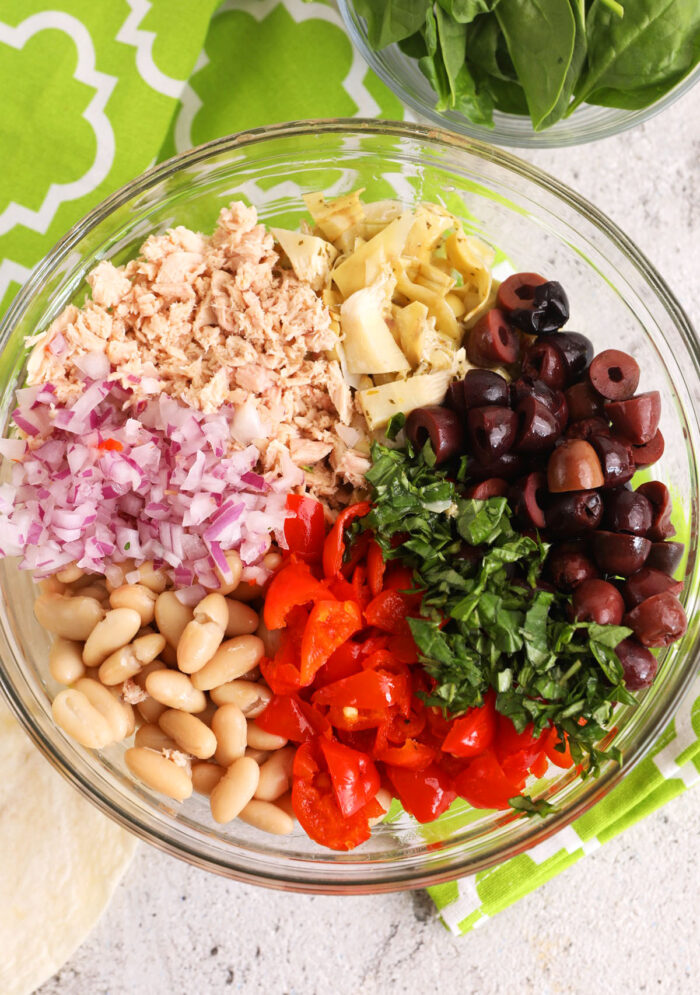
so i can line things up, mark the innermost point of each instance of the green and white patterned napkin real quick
(96, 91)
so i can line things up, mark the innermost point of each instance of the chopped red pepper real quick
(562, 758)
(388, 612)
(412, 755)
(293, 585)
(288, 716)
(472, 733)
(334, 546)
(425, 794)
(484, 784)
(110, 445)
(305, 528)
(316, 807)
(330, 624)
(371, 689)
(354, 776)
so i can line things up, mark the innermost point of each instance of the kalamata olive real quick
(598, 601)
(481, 387)
(554, 400)
(574, 513)
(665, 556)
(492, 487)
(650, 452)
(574, 466)
(491, 431)
(614, 374)
(647, 582)
(583, 401)
(661, 508)
(576, 349)
(538, 428)
(545, 362)
(658, 620)
(636, 419)
(507, 465)
(440, 425)
(627, 511)
(547, 312)
(526, 498)
(492, 341)
(615, 460)
(587, 428)
(568, 566)
(560, 409)
(455, 397)
(619, 553)
(639, 666)
(518, 291)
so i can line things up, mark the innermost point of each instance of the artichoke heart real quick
(369, 345)
(378, 404)
(310, 256)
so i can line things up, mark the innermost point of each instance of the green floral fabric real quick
(95, 92)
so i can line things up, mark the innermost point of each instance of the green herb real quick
(127, 545)
(484, 623)
(523, 803)
(541, 58)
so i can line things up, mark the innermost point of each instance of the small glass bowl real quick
(537, 224)
(587, 124)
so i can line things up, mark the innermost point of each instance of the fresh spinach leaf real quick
(643, 54)
(578, 58)
(465, 11)
(540, 35)
(391, 20)
(523, 803)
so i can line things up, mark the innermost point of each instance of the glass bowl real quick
(537, 224)
(587, 124)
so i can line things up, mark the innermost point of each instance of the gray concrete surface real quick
(623, 920)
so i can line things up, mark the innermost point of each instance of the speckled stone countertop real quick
(624, 919)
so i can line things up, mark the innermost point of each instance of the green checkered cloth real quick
(95, 92)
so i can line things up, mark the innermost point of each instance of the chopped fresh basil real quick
(485, 623)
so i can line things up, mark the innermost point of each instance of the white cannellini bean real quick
(235, 790)
(74, 713)
(116, 629)
(159, 772)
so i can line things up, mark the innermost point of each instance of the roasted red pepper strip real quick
(293, 585)
(330, 624)
(316, 807)
(375, 568)
(425, 794)
(305, 528)
(334, 546)
(110, 445)
(354, 776)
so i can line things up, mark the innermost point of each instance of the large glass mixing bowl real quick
(536, 224)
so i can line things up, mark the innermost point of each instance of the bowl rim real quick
(610, 120)
(373, 878)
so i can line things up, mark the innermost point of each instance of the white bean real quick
(172, 617)
(71, 618)
(235, 790)
(242, 619)
(116, 629)
(234, 658)
(175, 690)
(268, 817)
(260, 739)
(119, 666)
(159, 772)
(66, 660)
(152, 737)
(252, 698)
(189, 732)
(276, 774)
(154, 579)
(205, 776)
(118, 715)
(227, 586)
(229, 727)
(73, 713)
(136, 596)
(202, 636)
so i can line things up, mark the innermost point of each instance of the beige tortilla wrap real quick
(60, 861)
